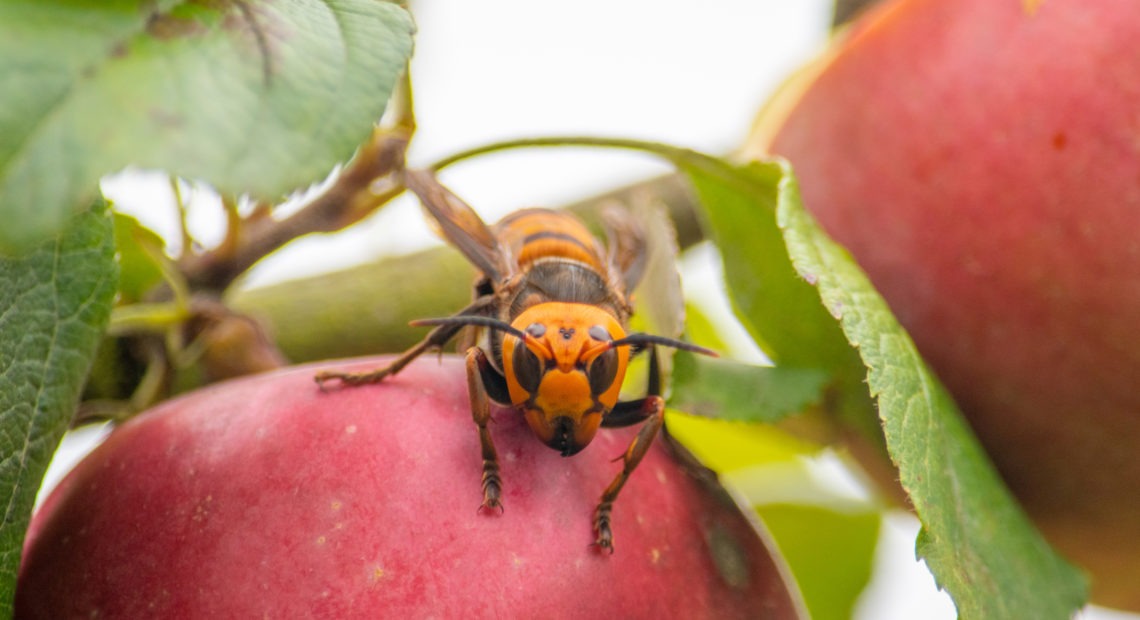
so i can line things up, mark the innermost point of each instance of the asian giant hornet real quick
(550, 316)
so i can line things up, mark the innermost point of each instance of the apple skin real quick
(266, 497)
(981, 161)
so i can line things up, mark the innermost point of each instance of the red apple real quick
(981, 160)
(265, 497)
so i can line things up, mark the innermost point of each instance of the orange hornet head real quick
(566, 373)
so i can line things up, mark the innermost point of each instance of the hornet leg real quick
(435, 339)
(651, 409)
(479, 374)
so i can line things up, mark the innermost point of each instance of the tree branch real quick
(349, 199)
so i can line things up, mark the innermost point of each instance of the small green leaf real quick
(54, 304)
(251, 97)
(977, 541)
(735, 391)
(701, 330)
(727, 446)
(830, 552)
(138, 269)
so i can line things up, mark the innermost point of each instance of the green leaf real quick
(778, 308)
(251, 97)
(735, 391)
(775, 303)
(977, 541)
(830, 552)
(54, 303)
(137, 246)
(728, 446)
(701, 330)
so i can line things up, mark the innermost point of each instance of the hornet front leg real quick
(481, 378)
(651, 410)
(435, 339)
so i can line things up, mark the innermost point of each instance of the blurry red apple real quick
(981, 160)
(265, 497)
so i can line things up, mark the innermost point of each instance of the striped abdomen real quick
(535, 234)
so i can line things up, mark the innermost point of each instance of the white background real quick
(686, 73)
